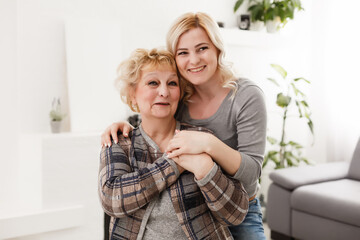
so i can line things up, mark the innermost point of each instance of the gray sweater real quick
(240, 122)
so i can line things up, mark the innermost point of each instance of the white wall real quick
(42, 72)
(8, 103)
(335, 65)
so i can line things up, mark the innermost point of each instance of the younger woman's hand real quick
(188, 142)
(112, 130)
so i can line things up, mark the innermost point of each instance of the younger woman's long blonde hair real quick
(189, 21)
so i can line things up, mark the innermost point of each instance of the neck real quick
(210, 89)
(159, 130)
(209, 92)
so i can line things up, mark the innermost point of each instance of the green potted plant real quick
(286, 152)
(279, 12)
(56, 115)
(273, 13)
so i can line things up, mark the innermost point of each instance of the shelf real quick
(18, 224)
(258, 39)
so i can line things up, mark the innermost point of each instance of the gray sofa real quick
(316, 202)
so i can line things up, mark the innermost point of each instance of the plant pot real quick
(257, 26)
(272, 26)
(55, 126)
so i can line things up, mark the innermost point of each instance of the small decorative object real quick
(285, 152)
(56, 116)
(220, 24)
(244, 22)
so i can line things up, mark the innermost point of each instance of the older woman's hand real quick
(199, 164)
(112, 131)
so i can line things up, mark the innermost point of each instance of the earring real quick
(135, 106)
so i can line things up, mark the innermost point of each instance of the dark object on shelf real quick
(244, 21)
(221, 24)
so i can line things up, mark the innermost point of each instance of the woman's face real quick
(157, 93)
(197, 57)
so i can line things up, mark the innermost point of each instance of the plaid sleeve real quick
(225, 197)
(123, 191)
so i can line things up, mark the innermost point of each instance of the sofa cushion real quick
(308, 226)
(293, 177)
(354, 170)
(337, 200)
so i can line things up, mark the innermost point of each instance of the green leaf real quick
(296, 91)
(289, 162)
(272, 153)
(266, 160)
(307, 115)
(295, 144)
(238, 4)
(257, 11)
(301, 78)
(280, 70)
(303, 102)
(311, 126)
(271, 140)
(273, 81)
(299, 108)
(282, 100)
(305, 160)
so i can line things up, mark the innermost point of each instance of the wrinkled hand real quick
(112, 130)
(180, 168)
(188, 142)
(199, 164)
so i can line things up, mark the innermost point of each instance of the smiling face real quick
(197, 57)
(157, 92)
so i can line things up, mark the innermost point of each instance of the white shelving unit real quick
(46, 220)
(58, 182)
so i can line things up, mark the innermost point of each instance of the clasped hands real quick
(188, 150)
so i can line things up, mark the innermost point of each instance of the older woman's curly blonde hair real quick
(129, 71)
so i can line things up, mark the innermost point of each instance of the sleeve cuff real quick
(208, 176)
(241, 168)
(173, 164)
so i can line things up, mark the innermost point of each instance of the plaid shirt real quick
(131, 175)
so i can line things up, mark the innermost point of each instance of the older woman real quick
(148, 195)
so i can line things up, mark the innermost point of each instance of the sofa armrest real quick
(293, 177)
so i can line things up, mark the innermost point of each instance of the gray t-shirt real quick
(240, 122)
(163, 223)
